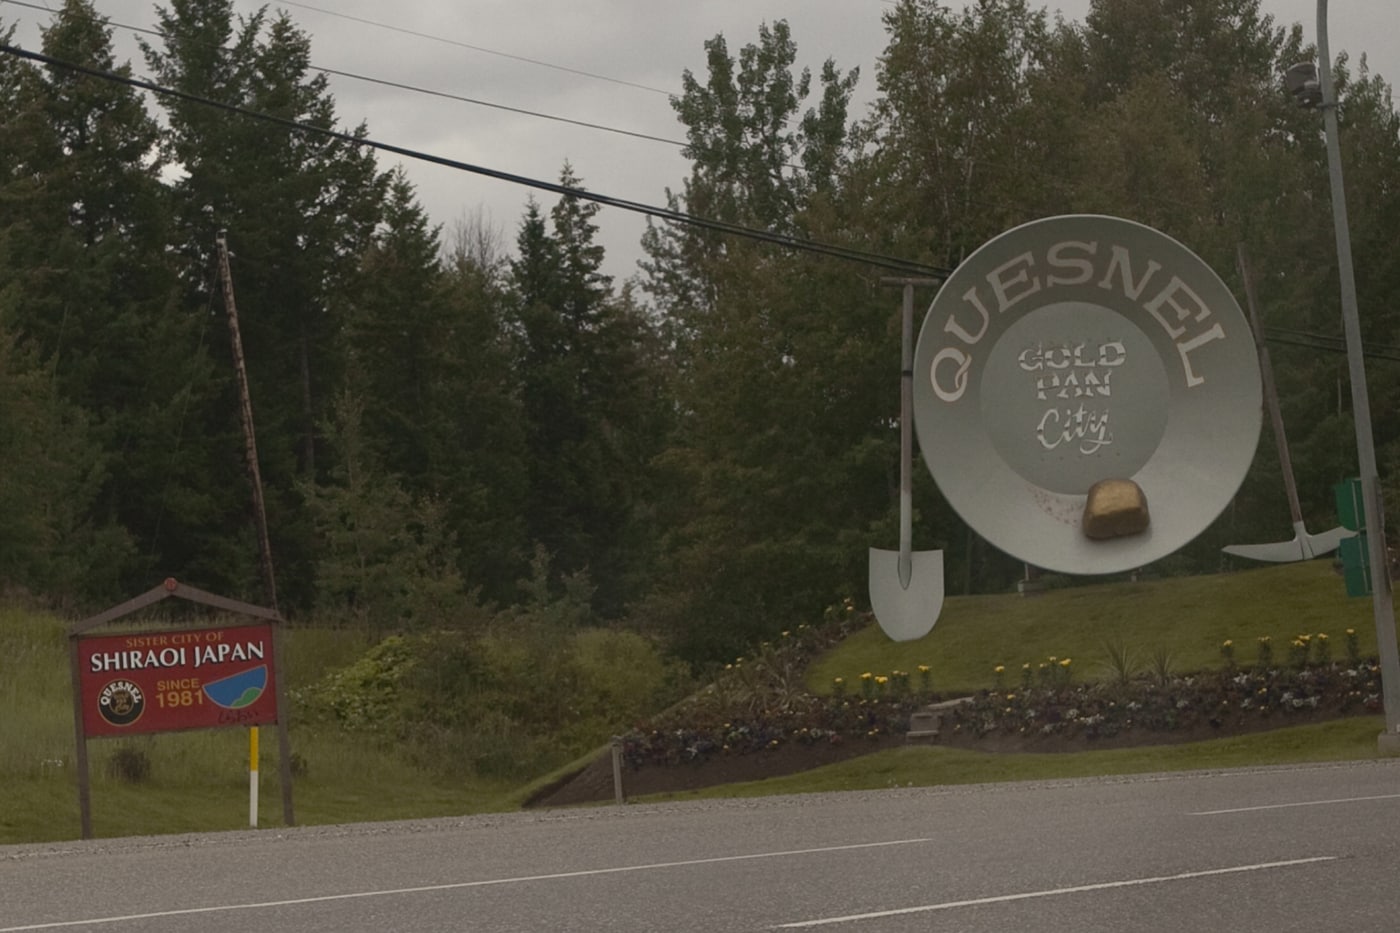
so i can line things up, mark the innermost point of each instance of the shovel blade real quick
(1303, 546)
(906, 613)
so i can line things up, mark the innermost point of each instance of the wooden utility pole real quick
(245, 416)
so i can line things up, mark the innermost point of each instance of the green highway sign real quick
(1356, 564)
(1351, 507)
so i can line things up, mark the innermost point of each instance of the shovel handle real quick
(906, 438)
(906, 427)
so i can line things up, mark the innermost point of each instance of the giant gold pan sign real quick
(1078, 352)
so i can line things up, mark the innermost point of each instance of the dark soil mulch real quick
(594, 783)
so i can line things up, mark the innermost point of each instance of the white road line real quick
(653, 866)
(1053, 892)
(1305, 803)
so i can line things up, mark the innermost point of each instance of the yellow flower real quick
(1010, 697)
(1065, 662)
(839, 680)
(1229, 643)
(1351, 631)
(866, 676)
(882, 680)
(999, 669)
(923, 668)
(1321, 636)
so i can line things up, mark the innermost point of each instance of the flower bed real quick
(1231, 699)
(817, 721)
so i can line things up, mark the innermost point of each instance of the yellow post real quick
(253, 776)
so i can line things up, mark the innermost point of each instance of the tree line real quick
(704, 452)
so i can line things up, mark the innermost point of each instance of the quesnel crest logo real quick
(121, 702)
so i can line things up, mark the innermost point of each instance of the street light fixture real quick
(1301, 81)
(1312, 86)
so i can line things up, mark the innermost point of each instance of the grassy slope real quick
(200, 779)
(1187, 619)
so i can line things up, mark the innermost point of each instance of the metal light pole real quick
(1360, 402)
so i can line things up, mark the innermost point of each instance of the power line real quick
(1330, 339)
(475, 48)
(904, 266)
(384, 82)
(1370, 353)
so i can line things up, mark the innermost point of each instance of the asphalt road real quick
(1315, 848)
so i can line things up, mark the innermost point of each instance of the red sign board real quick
(163, 681)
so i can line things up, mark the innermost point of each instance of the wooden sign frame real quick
(251, 714)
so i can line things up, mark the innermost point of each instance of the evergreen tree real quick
(99, 302)
(387, 558)
(50, 471)
(397, 331)
(24, 135)
(588, 404)
(299, 208)
(429, 361)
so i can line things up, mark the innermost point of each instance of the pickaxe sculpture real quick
(1303, 546)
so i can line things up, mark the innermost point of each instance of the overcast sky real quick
(606, 62)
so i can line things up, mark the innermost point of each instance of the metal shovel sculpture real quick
(906, 586)
(1303, 546)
